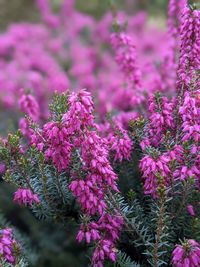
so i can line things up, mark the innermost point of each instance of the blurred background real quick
(25, 10)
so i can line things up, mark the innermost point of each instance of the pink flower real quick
(190, 46)
(150, 168)
(190, 209)
(58, 146)
(7, 243)
(80, 112)
(104, 249)
(25, 128)
(190, 115)
(111, 225)
(187, 254)
(184, 172)
(145, 143)
(89, 232)
(95, 155)
(29, 105)
(161, 118)
(25, 196)
(89, 195)
(121, 145)
(126, 57)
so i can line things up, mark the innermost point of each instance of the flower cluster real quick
(190, 46)
(121, 147)
(161, 118)
(105, 232)
(7, 245)
(190, 115)
(186, 159)
(184, 156)
(29, 106)
(58, 145)
(80, 112)
(175, 126)
(25, 196)
(126, 57)
(89, 231)
(120, 143)
(110, 226)
(75, 132)
(152, 169)
(187, 254)
(90, 197)
(100, 178)
(174, 19)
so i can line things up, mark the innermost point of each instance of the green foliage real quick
(21, 263)
(31, 171)
(42, 240)
(59, 106)
(158, 247)
(136, 222)
(125, 261)
(25, 252)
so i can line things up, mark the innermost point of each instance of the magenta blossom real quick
(7, 243)
(24, 196)
(29, 105)
(187, 254)
(190, 210)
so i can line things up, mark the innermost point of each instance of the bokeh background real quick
(25, 10)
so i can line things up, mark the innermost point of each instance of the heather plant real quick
(12, 249)
(129, 179)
